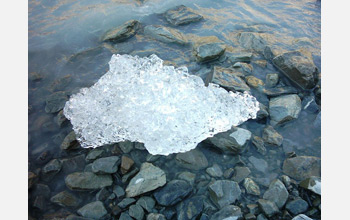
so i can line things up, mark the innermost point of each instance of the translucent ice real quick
(165, 108)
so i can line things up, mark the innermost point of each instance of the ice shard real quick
(166, 108)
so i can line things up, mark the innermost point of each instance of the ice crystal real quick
(167, 109)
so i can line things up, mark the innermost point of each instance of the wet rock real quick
(193, 160)
(147, 203)
(210, 51)
(286, 180)
(34, 76)
(181, 15)
(261, 63)
(254, 82)
(228, 78)
(271, 136)
(32, 179)
(65, 199)
(140, 146)
(55, 102)
(269, 208)
(302, 167)
(174, 192)
(244, 67)
(251, 187)
(88, 168)
(188, 176)
(165, 34)
(190, 208)
(60, 118)
(123, 32)
(235, 140)
(214, 171)
(253, 208)
(250, 40)
(70, 142)
(155, 216)
(136, 212)
(149, 178)
(51, 169)
(301, 217)
(204, 217)
(313, 183)
(61, 83)
(40, 203)
(126, 202)
(119, 191)
(152, 158)
(73, 164)
(258, 142)
(106, 165)
(224, 192)
(75, 217)
(94, 210)
(129, 175)
(229, 173)
(259, 164)
(44, 157)
(272, 79)
(126, 164)
(125, 216)
(261, 217)
(126, 146)
(240, 173)
(309, 104)
(284, 108)
(299, 68)
(239, 57)
(278, 91)
(94, 154)
(297, 206)
(87, 181)
(277, 193)
(228, 212)
(102, 195)
(263, 112)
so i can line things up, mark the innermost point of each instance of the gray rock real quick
(299, 68)
(136, 212)
(149, 178)
(94, 154)
(40, 203)
(102, 195)
(271, 136)
(155, 216)
(246, 68)
(65, 199)
(152, 158)
(51, 169)
(301, 217)
(206, 52)
(126, 146)
(240, 173)
(188, 176)
(55, 102)
(129, 175)
(40, 190)
(181, 15)
(214, 171)
(87, 181)
(140, 146)
(147, 203)
(235, 140)
(278, 91)
(75, 217)
(228, 212)
(165, 34)
(286, 180)
(297, 206)
(313, 183)
(224, 192)
(123, 32)
(251, 187)
(190, 208)
(193, 160)
(106, 165)
(277, 193)
(254, 82)
(174, 192)
(258, 142)
(269, 208)
(259, 164)
(284, 108)
(126, 164)
(94, 210)
(239, 57)
(261, 217)
(119, 191)
(73, 164)
(250, 40)
(253, 208)
(302, 167)
(228, 78)
(272, 79)
(60, 118)
(125, 216)
(126, 202)
(70, 142)
(61, 84)
(263, 112)
(229, 173)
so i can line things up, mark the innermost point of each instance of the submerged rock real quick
(277, 91)
(65, 199)
(214, 171)
(250, 40)
(313, 183)
(190, 208)
(263, 112)
(297, 206)
(271, 136)
(269, 208)
(272, 79)
(165, 34)
(94, 210)
(246, 68)
(224, 192)
(239, 57)
(147, 203)
(301, 217)
(155, 216)
(254, 82)
(240, 173)
(87, 181)
(277, 193)
(228, 212)
(106, 165)
(181, 15)
(284, 108)
(193, 159)
(126, 164)
(136, 212)
(126, 202)
(149, 178)
(251, 187)
(70, 142)
(259, 164)
(302, 167)
(206, 52)
(51, 169)
(123, 32)
(55, 102)
(174, 192)
(258, 142)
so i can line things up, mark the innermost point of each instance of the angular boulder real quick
(87, 181)
(277, 193)
(302, 167)
(165, 34)
(181, 15)
(123, 32)
(284, 108)
(224, 192)
(174, 192)
(193, 160)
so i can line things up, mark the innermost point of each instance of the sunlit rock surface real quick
(165, 108)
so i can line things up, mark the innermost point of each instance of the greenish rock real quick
(102, 195)
(245, 67)
(272, 79)
(165, 34)
(188, 176)
(261, 217)
(277, 193)
(65, 199)
(190, 208)
(155, 216)
(301, 217)
(313, 183)
(269, 208)
(206, 52)
(249, 216)
(119, 191)
(181, 15)
(259, 164)
(61, 83)
(258, 142)
(73, 164)
(239, 57)
(87, 181)
(60, 118)
(286, 180)
(251, 187)
(94, 154)
(149, 178)
(146, 203)
(75, 217)
(263, 112)
(228, 212)
(228, 78)
(254, 82)
(123, 32)
(106, 165)
(51, 169)
(271, 136)
(298, 67)
(302, 167)
(69, 142)
(55, 102)
(224, 192)
(214, 171)
(278, 91)
(253, 208)
(252, 41)
(125, 216)
(136, 212)
(297, 206)
(94, 210)
(126, 146)
(229, 173)
(126, 202)
(240, 173)
(173, 192)
(284, 108)
(129, 175)
(193, 160)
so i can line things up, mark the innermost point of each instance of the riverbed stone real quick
(193, 160)
(224, 192)
(302, 167)
(205, 52)
(252, 41)
(254, 82)
(155, 216)
(297, 206)
(228, 78)
(149, 178)
(136, 212)
(125, 216)
(258, 142)
(70, 142)
(32, 179)
(263, 112)
(259, 164)
(146, 203)
(251, 187)
(284, 108)
(240, 173)
(301, 217)
(181, 15)
(94, 154)
(228, 212)
(165, 34)
(188, 176)
(106, 165)
(246, 68)
(298, 67)
(234, 141)
(123, 32)
(190, 208)
(103, 194)
(278, 91)
(60, 119)
(271, 136)
(214, 171)
(313, 183)
(94, 210)
(65, 199)
(73, 164)
(87, 181)
(51, 169)
(277, 193)
(55, 102)
(126, 164)
(173, 192)
(239, 57)
(272, 79)
(126, 146)
(126, 202)
(269, 208)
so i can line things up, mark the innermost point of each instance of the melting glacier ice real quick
(166, 108)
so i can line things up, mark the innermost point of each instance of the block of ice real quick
(167, 109)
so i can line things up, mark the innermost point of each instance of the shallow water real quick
(64, 40)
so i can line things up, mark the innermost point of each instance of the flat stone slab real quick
(94, 210)
(165, 34)
(181, 15)
(174, 192)
(123, 32)
(87, 181)
(193, 160)
(224, 192)
(302, 167)
(284, 108)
